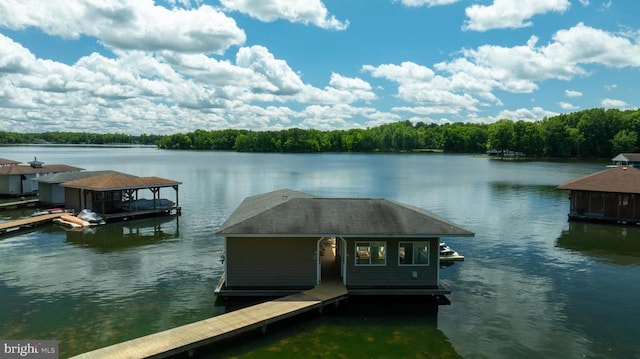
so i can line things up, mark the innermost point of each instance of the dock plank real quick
(207, 331)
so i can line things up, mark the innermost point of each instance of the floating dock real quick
(225, 326)
(27, 223)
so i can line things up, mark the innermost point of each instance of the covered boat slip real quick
(117, 196)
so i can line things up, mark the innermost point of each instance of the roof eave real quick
(321, 235)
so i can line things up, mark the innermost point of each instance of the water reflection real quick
(615, 244)
(123, 235)
(363, 327)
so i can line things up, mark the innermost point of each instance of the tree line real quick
(594, 133)
(77, 138)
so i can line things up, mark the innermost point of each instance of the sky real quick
(175, 66)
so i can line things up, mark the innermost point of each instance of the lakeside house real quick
(21, 180)
(610, 196)
(115, 195)
(278, 243)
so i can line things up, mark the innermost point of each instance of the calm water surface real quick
(532, 285)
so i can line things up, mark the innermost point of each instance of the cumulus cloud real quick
(127, 24)
(146, 91)
(14, 58)
(510, 13)
(299, 11)
(417, 3)
(162, 73)
(613, 103)
(419, 84)
(469, 82)
(525, 114)
(567, 106)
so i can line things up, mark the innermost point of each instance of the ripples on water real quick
(532, 285)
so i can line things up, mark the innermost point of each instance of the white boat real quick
(448, 254)
(90, 216)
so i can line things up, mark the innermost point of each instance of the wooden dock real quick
(27, 223)
(191, 336)
(19, 204)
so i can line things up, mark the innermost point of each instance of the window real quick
(623, 200)
(371, 253)
(413, 253)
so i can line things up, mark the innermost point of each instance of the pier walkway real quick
(27, 223)
(19, 204)
(191, 336)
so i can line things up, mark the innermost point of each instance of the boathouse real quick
(117, 196)
(21, 180)
(50, 191)
(275, 243)
(627, 159)
(612, 196)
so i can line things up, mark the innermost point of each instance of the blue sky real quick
(169, 66)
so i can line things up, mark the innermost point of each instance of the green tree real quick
(625, 141)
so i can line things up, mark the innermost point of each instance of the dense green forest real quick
(76, 138)
(595, 133)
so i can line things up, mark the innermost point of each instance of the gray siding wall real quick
(271, 262)
(51, 193)
(4, 185)
(392, 274)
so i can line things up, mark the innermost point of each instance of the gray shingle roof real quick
(291, 213)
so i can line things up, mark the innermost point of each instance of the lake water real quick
(532, 285)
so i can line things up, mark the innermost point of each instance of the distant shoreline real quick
(115, 145)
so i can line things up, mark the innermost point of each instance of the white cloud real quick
(297, 11)
(127, 24)
(279, 77)
(587, 45)
(417, 3)
(584, 3)
(147, 92)
(612, 103)
(524, 114)
(419, 84)
(567, 106)
(572, 93)
(469, 82)
(426, 111)
(510, 13)
(14, 58)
